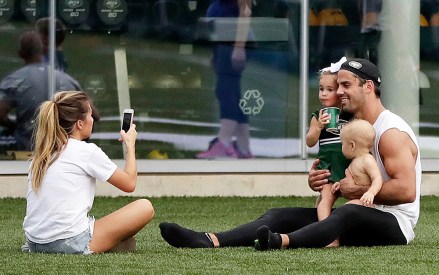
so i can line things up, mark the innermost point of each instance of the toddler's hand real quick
(323, 119)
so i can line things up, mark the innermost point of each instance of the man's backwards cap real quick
(364, 69)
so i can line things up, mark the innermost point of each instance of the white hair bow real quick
(335, 67)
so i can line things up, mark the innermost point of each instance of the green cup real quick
(334, 114)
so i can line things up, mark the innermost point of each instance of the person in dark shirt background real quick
(25, 89)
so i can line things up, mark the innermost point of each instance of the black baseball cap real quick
(363, 68)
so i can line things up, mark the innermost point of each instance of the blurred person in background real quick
(25, 89)
(228, 62)
(42, 28)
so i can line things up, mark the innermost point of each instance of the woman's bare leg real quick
(116, 229)
(125, 245)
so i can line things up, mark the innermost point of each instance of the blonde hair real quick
(360, 131)
(326, 72)
(56, 120)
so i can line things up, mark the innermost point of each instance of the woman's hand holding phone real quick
(128, 133)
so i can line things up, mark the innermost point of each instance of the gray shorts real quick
(78, 244)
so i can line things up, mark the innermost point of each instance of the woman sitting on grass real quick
(62, 181)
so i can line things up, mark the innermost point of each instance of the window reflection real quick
(167, 46)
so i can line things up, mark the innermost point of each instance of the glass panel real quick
(155, 57)
(336, 31)
(15, 17)
(429, 79)
(372, 29)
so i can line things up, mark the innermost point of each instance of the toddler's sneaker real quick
(218, 150)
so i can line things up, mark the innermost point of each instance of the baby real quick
(357, 138)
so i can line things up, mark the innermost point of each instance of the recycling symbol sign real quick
(252, 102)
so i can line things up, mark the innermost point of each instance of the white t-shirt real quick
(407, 214)
(59, 209)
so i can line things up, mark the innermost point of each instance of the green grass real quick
(154, 256)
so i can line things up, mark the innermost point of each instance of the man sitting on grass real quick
(391, 222)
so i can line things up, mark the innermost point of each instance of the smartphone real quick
(127, 119)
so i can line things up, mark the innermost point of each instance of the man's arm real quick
(5, 106)
(398, 153)
(8, 89)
